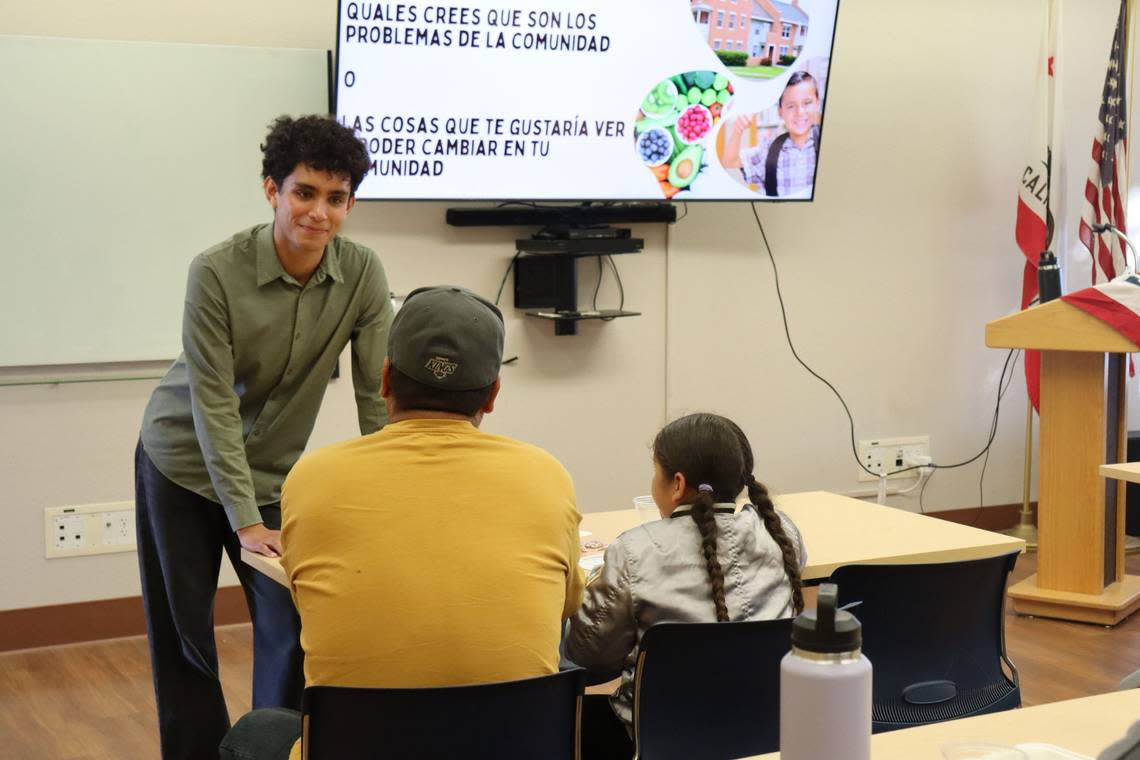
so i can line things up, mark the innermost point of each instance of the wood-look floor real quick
(95, 701)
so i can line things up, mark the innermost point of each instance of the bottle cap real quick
(827, 629)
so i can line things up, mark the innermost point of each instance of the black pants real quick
(181, 537)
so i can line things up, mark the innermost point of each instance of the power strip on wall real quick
(84, 529)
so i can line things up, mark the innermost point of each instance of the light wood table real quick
(1127, 471)
(1085, 726)
(837, 530)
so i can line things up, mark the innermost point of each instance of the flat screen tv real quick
(583, 100)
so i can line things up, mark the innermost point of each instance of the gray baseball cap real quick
(447, 337)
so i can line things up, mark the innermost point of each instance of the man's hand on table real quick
(258, 539)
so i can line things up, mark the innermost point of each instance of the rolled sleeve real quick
(214, 405)
(370, 346)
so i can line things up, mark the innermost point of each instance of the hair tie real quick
(705, 488)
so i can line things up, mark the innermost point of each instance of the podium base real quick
(1116, 602)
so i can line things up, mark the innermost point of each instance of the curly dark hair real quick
(319, 142)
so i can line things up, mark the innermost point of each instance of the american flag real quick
(1103, 201)
(1116, 303)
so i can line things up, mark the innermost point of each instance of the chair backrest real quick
(535, 717)
(709, 690)
(934, 634)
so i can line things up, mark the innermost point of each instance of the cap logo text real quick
(441, 367)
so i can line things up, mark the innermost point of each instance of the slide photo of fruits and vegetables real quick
(674, 124)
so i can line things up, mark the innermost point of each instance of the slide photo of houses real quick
(755, 39)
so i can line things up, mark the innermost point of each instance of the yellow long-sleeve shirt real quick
(430, 554)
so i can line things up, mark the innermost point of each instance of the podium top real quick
(1056, 326)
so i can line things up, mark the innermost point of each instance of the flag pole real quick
(1025, 529)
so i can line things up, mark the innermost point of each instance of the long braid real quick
(758, 495)
(705, 518)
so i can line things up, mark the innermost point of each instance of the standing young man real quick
(267, 313)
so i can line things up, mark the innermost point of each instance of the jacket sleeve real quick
(604, 630)
(208, 348)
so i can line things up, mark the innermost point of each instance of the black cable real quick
(506, 274)
(850, 419)
(788, 335)
(621, 288)
(922, 491)
(685, 205)
(993, 428)
(598, 285)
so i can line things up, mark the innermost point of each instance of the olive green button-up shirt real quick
(234, 412)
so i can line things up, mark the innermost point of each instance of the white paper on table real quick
(584, 533)
(592, 561)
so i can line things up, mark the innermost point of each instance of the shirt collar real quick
(789, 145)
(269, 266)
(720, 508)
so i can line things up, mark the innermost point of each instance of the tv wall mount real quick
(546, 264)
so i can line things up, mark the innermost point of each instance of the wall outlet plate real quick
(889, 455)
(75, 531)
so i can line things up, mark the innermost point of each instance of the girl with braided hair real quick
(704, 561)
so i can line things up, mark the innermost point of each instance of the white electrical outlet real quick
(89, 529)
(889, 455)
(119, 528)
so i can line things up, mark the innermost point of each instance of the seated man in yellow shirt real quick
(429, 553)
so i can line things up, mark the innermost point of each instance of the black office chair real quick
(709, 690)
(935, 637)
(535, 717)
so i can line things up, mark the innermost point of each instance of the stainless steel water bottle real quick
(825, 686)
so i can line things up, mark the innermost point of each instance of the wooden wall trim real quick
(57, 624)
(996, 517)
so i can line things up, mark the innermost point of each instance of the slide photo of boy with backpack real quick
(781, 164)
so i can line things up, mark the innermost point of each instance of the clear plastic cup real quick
(981, 751)
(646, 509)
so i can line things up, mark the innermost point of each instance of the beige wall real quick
(889, 278)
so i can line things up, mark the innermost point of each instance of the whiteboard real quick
(121, 161)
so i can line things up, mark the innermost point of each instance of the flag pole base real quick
(1027, 532)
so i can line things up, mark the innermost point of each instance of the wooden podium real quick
(1080, 515)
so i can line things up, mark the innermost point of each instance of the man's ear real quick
(489, 406)
(385, 378)
(271, 191)
(351, 202)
